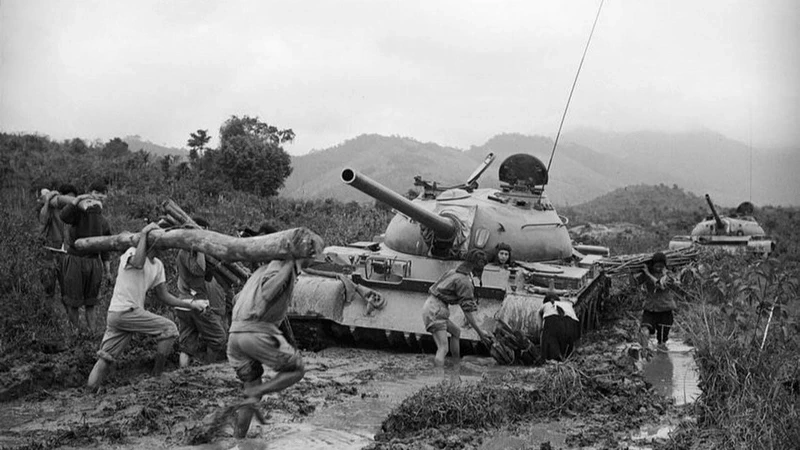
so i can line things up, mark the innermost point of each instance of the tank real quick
(430, 235)
(738, 233)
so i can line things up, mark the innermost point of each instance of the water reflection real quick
(673, 373)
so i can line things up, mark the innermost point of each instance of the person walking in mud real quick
(139, 271)
(53, 230)
(255, 338)
(195, 280)
(83, 272)
(659, 302)
(454, 287)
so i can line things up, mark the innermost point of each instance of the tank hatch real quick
(523, 171)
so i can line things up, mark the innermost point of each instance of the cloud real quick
(455, 73)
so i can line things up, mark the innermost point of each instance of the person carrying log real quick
(84, 271)
(52, 235)
(659, 304)
(255, 338)
(196, 280)
(140, 270)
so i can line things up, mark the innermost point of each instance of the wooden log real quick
(179, 216)
(294, 243)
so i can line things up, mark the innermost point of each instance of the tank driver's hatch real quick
(523, 171)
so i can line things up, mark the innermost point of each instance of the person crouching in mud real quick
(561, 328)
(454, 287)
(255, 339)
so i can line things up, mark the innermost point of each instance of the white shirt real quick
(551, 309)
(132, 284)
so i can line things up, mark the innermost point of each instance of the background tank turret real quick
(738, 233)
(430, 235)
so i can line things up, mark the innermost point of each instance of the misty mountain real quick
(586, 165)
(136, 143)
(704, 161)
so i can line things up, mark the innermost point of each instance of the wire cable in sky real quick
(574, 83)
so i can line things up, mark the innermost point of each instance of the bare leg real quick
(245, 415)
(184, 359)
(455, 342)
(90, 322)
(644, 337)
(440, 338)
(73, 314)
(98, 373)
(163, 350)
(254, 390)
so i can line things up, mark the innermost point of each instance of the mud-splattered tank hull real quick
(513, 296)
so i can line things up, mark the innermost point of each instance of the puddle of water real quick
(673, 373)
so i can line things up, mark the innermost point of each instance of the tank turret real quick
(737, 234)
(445, 222)
(721, 228)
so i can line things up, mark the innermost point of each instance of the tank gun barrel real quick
(441, 226)
(717, 219)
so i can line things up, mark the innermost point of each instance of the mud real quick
(346, 400)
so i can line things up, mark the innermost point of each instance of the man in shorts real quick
(83, 272)
(53, 240)
(206, 329)
(454, 287)
(255, 338)
(139, 271)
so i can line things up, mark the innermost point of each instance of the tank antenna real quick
(574, 83)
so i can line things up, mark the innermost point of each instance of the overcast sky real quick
(451, 72)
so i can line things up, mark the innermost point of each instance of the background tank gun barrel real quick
(441, 226)
(717, 219)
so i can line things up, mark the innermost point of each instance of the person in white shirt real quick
(139, 271)
(561, 328)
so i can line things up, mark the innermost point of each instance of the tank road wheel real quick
(427, 343)
(313, 335)
(371, 338)
(412, 339)
(342, 334)
(397, 340)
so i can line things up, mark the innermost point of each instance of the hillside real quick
(136, 143)
(587, 164)
(704, 161)
(578, 173)
(644, 205)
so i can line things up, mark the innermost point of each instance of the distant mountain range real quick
(136, 143)
(587, 164)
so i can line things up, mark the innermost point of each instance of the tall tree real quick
(197, 143)
(115, 148)
(250, 156)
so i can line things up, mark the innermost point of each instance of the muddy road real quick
(358, 398)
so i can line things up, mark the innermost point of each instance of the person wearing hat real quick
(659, 303)
(502, 256)
(561, 328)
(454, 287)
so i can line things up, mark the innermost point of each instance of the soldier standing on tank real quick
(454, 287)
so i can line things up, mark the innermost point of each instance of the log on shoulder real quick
(289, 244)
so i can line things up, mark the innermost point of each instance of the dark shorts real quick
(198, 328)
(248, 351)
(82, 280)
(658, 323)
